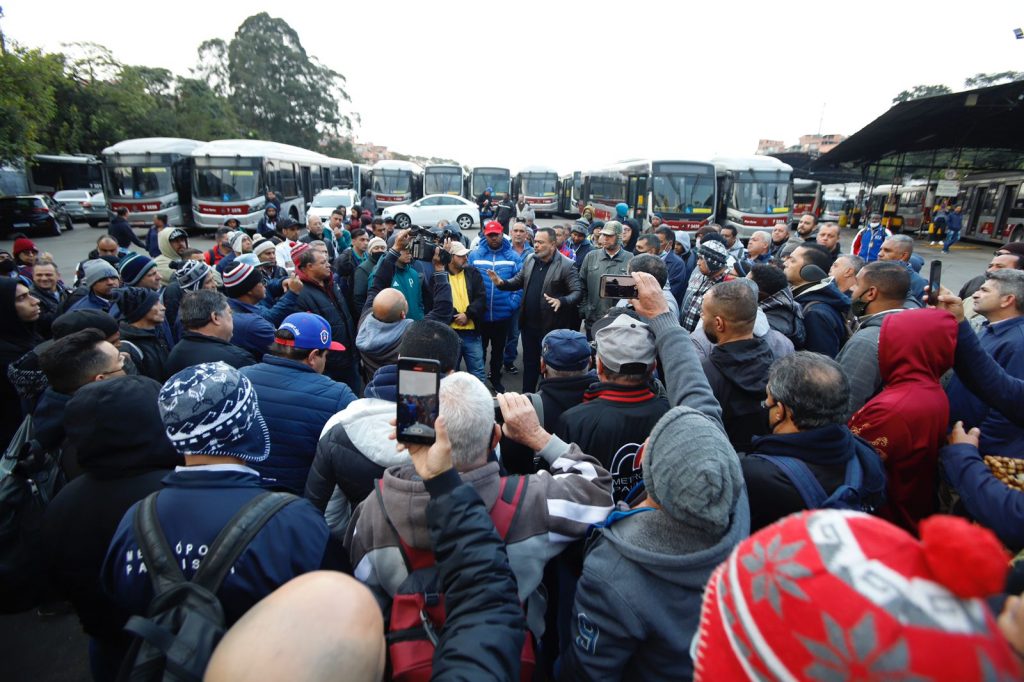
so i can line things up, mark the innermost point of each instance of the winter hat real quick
(692, 471)
(1016, 248)
(714, 254)
(374, 243)
(240, 280)
(579, 226)
(23, 244)
(96, 270)
(298, 250)
(263, 245)
(211, 409)
(236, 241)
(134, 267)
(77, 320)
(834, 594)
(192, 274)
(135, 302)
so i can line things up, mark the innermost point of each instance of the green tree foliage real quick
(981, 80)
(920, 92)
(28, 80)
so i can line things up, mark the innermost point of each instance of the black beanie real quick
(135, 302)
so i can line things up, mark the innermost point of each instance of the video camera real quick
(424, 241)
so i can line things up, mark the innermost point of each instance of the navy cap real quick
(565, 350)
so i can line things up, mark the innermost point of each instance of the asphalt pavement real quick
(53, 648)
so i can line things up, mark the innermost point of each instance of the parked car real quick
(83, 205)
(432, 208)
(327, 200)
(33, 212)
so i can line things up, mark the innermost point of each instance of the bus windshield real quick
(540, 184)
(442, 182)
(678, 193)
(761, 193)
(226, 184)
(392, 181)
(342, 178)
(140, 182)
(495, 179)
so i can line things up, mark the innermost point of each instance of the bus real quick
(498, 179)
(756, 192)
(396, 182)
(49, 173)
(538, 185)
(683, 193)
(570, 194)
(148, 176)
(363, 179)
(806, 198)
(904, 208)
(230, 179)
(443, 178)
(993, 206)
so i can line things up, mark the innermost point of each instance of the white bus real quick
(443, 178)
(482, 177)
(539, 186)
(231, 178)
(756, 192)
(396, 182)
(149, 176)
(570, 194)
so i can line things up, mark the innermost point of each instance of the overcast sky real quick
(581, 84)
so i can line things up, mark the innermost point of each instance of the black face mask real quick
(859, 308)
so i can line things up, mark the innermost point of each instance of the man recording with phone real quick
(551, 294)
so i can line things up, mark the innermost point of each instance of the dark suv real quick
(33, 212)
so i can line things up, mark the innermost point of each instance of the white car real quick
(432, 208)
(326, 201)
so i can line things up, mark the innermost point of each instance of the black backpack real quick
(185, 620)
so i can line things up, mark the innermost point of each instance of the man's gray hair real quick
(813, 387)
(766, 236)
(1010, 283)
(313, 217)
(198, 306)
(855, 262)
(905, 242)
(468, 411)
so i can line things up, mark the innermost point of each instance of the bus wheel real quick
(402, 221)
(464, 222)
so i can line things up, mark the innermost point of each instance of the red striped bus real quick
(682, 193)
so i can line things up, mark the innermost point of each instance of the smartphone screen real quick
(418, 384)
(618, 286)
(934, 282)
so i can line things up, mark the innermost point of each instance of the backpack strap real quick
(853, 480)
(506, 508)
(800, 476)
(236, 536)
(156, 553)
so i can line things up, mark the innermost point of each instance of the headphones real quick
(812, 273)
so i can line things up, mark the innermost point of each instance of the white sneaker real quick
(933, 244)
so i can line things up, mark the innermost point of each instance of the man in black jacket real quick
(551, 296)
(142, 325)
(51, 294)
(738, 366)
(208, 322)
(121, 230)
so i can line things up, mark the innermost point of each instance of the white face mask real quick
(874, 224)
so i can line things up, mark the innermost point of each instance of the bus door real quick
(636, 196)
(1009, 193)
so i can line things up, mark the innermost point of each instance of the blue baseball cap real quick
(311, 332)
(565, 350)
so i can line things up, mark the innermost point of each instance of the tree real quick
(920, 92)
(981, 80)
(212, 67)
(201, 114)
(28, 104)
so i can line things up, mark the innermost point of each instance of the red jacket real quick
(907, 422)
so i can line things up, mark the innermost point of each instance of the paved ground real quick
(54, 649)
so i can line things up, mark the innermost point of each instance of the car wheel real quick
(55, 230)
(402, 221)
(70, 224)
(94, 223)
(464, 222)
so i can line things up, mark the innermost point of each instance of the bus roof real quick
(261, 148)
(395, 164)
(66, 158)
(490, 168)
(755, 163)
(154, 145)
(538, 169)
(430, 166)
(884, 190)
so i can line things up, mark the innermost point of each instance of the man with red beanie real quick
(25, 254)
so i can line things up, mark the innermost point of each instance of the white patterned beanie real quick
(211, 409)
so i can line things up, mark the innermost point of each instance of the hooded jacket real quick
(906, 422)
(16, 339)
(859, 359)
(738, 374)
(123, 459)
(361, 282)
(678, 275)
(167, 255)
(154, 349)
(295, 402)
(501, 305)
(825, 451)
(785, 316)
(825, 309)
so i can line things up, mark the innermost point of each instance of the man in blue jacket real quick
(254, 322)
(495, 253)
(871, 238)
(211, 416)
(291, 375)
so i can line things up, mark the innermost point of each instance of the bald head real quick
(320, 626)
(390, 305)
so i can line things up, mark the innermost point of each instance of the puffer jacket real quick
(501, 305)
(154, 349)
(825, 309)
(296, 402)
(167, 255)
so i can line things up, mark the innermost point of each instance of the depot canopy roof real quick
(986, 118)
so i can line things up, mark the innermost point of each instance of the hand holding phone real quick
(419, 382)
(934, 282)
(618, 286)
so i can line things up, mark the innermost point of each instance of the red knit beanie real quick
(23, 244)
(840, 595)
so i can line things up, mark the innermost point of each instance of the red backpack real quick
(417, 609)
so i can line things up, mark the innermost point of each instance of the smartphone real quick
(934, 282)
(618, 286)
(418, 384)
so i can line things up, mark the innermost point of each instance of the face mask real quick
(874, 225)
(859, 308)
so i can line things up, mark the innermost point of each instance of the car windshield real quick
(71, 195)
(834, 205)
(683, 193)
(442, 182)
(226, 184)
(496, 180)
(140, 182)
(331, 201)
(540, 184)
(764, 192)
(392, 181)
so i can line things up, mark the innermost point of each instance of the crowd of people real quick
(776, 460)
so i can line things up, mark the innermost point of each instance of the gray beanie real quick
(692, 471)
(97, 269)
